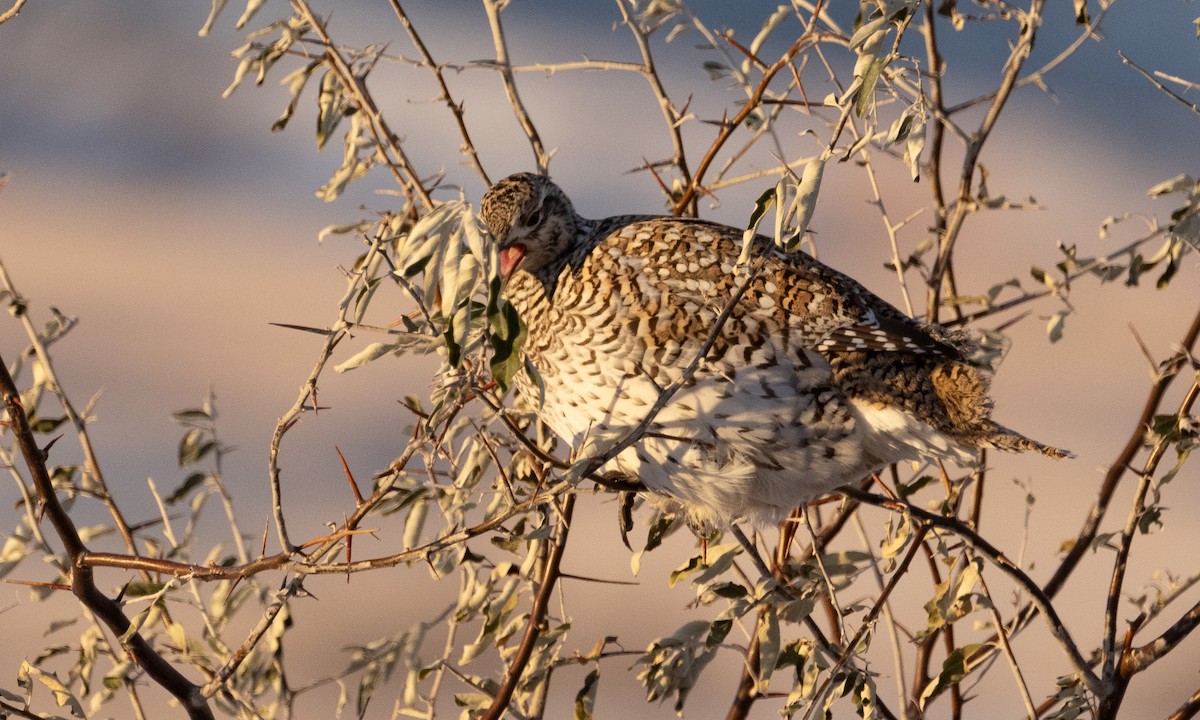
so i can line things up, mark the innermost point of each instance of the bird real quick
(810, 383)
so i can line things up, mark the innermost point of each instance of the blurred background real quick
(176, 226)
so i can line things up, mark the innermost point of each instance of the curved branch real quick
(468, 147)
(83, 585)
(537, 615)
(492, 7)
(385, 139)
(1098, 687)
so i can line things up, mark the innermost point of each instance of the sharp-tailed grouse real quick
(813, 382)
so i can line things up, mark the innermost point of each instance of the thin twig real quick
(888, 618)
(83, 584)
(1099, 687)
(456, 109)
(727, 127)
(869, 620)
(12, 12)
(963, 205)
(671, 116)
(492, 8)
(1154, 81)
(1006, 646)
(1115, 668)
(1188, 709)
(386, 142)
(91, 463)
(537, 616)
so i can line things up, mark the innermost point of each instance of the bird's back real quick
(812, 381)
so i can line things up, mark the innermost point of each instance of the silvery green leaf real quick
(214, 9)
(330, 106)
(451, 275)
(910, 127)
(1179, 183)
(371, 352)
(414, 523)
(252, 7)
(761, 205)
(768, 647)
(585, 699)
(295, 81)
(473, 230)
(954, 668)
(1043, 277)
(429, 222)
(243, 68)
(869, 33)
(806, 199)
(340, 230)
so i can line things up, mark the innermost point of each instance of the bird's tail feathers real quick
(1000, 437)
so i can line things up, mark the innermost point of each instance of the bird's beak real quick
(510, 257)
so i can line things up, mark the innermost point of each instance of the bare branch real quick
(728, 126)
(12, 12)
(1099, 687)
(386, 142)
(1115, 667)
(963, 206)
(670, 115)
(537, 616)
(456, 109)
(492, 7)
(1154, 81)
(78, 422)
(83, 585)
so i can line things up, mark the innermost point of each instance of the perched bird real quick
(812, 382)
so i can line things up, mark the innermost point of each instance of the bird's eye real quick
(534, 219)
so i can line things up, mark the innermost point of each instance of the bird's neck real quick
(573, 252)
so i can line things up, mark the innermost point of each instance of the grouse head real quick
(533, 222)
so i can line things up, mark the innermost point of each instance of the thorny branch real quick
(83, 585)
(948, 233)
(1098, 687)
(391, 152)
(540, 156)
(1122, 661)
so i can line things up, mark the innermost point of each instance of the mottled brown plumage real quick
(812, 383)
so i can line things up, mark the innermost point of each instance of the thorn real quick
(358, 498)
(304, 328)
(46, 450)
(1145, 351)
(35, 583)
(121, 593)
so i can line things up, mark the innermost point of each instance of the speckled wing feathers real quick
(812, 382)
